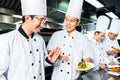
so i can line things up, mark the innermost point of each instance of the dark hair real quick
(23, 18)
(98, 32)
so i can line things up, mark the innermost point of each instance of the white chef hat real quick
(33, 7)
(74, 8)
(115, 26)
(102, 23)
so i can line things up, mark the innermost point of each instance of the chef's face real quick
(112, 36)
(71, 23)
(100, 36)
(36, 22)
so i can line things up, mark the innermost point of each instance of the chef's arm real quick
(4, 57)
(114, 51)
(2, 70)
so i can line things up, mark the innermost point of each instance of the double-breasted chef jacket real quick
(75, 46)
(22, 58)
(108, 44)
(99, 54)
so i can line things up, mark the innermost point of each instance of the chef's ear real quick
(27, 17)
(79, 21)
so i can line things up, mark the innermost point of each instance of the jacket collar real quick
(23, 32)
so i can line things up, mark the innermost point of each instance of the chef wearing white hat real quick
(74, 45)
(99, 52)
(110, 42)
(22, 51)
(99, 55)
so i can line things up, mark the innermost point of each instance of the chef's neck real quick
(70, 32)
(95, 37)
(26, 30)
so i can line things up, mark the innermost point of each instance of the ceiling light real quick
(112, 15)
(95, 3)
(17, 16)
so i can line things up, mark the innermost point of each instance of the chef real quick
(100, 58)
(74, 45)
(22, 51)
(110, 42)
(99, 53)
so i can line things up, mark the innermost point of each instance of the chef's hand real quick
(109, 52)
(64, 58)
(115, 51)
(102, 66)
(54, 54)
(112, 63)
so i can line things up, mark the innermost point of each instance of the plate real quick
(114, 73)
(113, 66)
(90, 66)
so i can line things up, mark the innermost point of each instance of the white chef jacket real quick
(108, 43)
(75, 46)
(21, 58)
(99, 54)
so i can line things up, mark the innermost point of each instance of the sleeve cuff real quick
(48, 61)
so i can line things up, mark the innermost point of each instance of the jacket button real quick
(34, 39)
(27, 39)
(61, 70)
(63, 44)
(37, 50)
(40, 74)
(30, 52)
(68, 63)
(32, 64)
(67, 72)
(64, 36)
(68, 54)
(39, 61)
(62, 61)
(70, 45)
(72, 37)
(34, 77)
(63, 53)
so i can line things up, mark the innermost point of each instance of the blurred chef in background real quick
(74, 45)
(110, 42)
(100, 58)
(22, 51)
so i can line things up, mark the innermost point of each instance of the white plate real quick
(111, 66)
(114, 73)
(91, 65)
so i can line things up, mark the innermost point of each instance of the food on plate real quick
(83, 65)
(114, 69)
